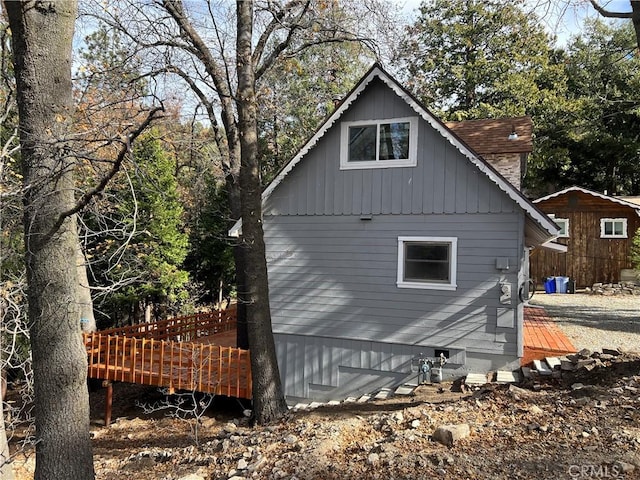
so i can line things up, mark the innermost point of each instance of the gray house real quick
(389, 238)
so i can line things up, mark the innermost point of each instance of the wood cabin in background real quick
(598, 231)
(388, 237)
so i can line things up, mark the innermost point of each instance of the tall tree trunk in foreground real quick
(42, 33)
(268, 400)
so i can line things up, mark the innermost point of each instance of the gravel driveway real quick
(595, 321)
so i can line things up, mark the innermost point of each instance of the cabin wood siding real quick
(589, 258)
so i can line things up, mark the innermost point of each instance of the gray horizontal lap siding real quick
(336, 277)
(343, 367)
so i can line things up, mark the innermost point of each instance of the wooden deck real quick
(196, 352)
(199, 353)
(542, 338)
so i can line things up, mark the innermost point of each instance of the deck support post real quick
(108, 402)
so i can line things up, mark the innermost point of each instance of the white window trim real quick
(614, 220)
(566, 222)
(412, 161)
(453, 264)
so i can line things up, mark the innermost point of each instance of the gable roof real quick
(491, 135)
(539, 228)
(618, 200)
(634, 200)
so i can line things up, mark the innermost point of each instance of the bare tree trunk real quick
(239, 257)
(268, 400)
(87, 318)
(42, 34)
(635, 18)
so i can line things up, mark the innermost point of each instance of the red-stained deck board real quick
(193, 353)
(542, 338)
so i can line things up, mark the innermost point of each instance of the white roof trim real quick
(558, 247)
(620, 201)
(377, 72)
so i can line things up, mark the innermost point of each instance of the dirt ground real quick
(549, 429)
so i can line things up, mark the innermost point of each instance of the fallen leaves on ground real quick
(544, 431)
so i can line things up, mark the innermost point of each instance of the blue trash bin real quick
(561, 284)
(550, 285)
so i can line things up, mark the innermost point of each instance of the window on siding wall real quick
(613, 228)
(427, 262)
(563, 223)
(379, 144)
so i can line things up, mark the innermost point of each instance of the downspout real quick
(522, 277)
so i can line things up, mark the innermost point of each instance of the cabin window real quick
(379, 143)
(427, 262)
(613, 228)
(563, 223)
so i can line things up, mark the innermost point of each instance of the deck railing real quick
(183, 329)
(168, 354)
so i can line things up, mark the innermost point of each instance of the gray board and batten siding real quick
(342, 326)
(317, 186)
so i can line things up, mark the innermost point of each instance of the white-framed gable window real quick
(427, 262)
(613, 228)
(379, 143)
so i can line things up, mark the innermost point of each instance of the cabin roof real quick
(631, 202)
(493, 135)
(634, 200)
(538, 229)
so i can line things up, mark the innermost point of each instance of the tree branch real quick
(606, 13)
(304, 46)
(200, 50)
(280, 47)
(270, 28)
(221, 46)
(83, 201)
(219, 138)
(136, 39)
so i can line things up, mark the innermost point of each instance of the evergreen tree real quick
(210, 258)
(599, 137)
(145, 244)
(477, 58)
